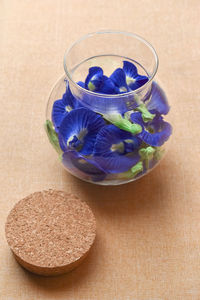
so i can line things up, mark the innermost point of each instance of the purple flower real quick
(154, 133)
(63, 106)
(133, 79)
(158, 103)
(115, 150)
(78, 130)
(119, 79)
(77, 163)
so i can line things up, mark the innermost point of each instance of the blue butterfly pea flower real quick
(133, 79)
(108, 86)
(78, 130)
(63, 106)
(97, 82)
(115, 150)
(158, 138)
(119, 79)
(136, 117)
(154, 133)
(81, 165)
(158, 102)
(94, 79)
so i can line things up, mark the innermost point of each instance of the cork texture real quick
(50, 232)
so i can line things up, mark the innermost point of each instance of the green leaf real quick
(146, 155)
(52, 135)
(123, 123)
(146, 115)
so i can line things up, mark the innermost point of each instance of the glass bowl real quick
(105, 115)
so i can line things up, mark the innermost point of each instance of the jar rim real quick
(133, 35)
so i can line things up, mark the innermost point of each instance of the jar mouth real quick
(132, 35)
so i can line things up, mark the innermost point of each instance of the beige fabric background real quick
(148, 237)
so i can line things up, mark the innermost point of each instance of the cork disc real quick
(50, 232)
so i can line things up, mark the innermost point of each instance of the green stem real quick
(123, 123)
(146, 115)
(146, 155)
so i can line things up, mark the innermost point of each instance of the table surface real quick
(148, 236)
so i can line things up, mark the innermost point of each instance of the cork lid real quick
(50, 232)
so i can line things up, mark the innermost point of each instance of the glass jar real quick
(105, 116)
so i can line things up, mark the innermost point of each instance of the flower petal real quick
(139, 81)
(136, 117)
(115, 149)
(94, 79)
(129, 69)
(133, 79)
(158, 138)
(156, 123)
(158, 102)
(108, 86)
(81, 84)
(68, 98)
(83, 124)
(111, 135)
(118, 164)
(58, 113)
(76, 162)
(63, 106)
(119, 79)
